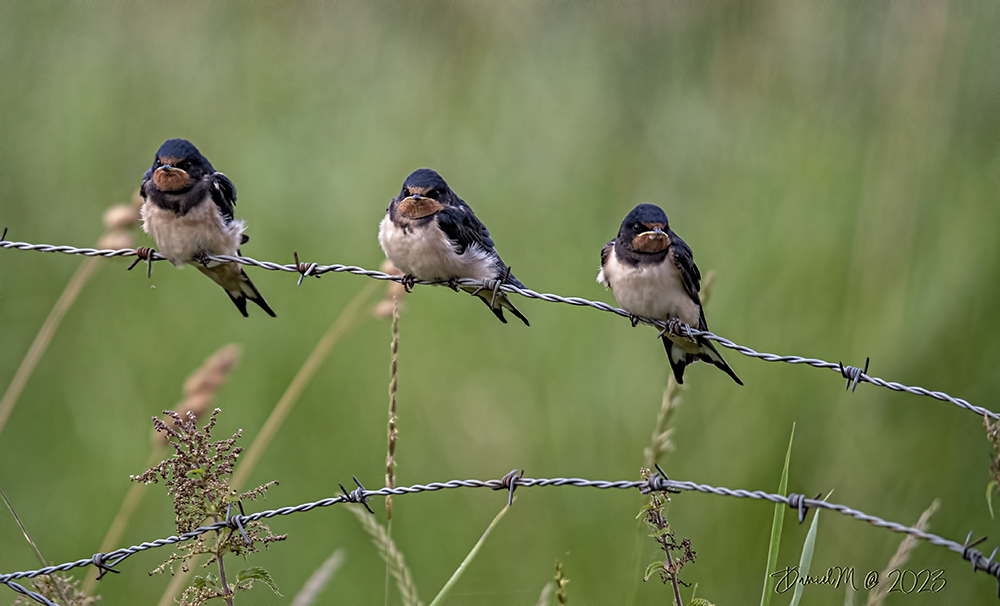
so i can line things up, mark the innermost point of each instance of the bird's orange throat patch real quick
(651, 242)
(171, 180)
(418, 208)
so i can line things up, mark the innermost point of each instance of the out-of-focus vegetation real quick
(836, 163)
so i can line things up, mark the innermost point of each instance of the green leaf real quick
(257, 573)
(779, 510)
(655, 566)
(700, 602)
(439, 598)
(805, 561)
(199, 582)
(644, 509)
(989, 496)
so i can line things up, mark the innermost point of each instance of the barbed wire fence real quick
(105, 562)
(853, 374)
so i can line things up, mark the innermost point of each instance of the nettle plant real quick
(197, 476)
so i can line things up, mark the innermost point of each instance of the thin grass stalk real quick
(319, 579)
(390, 461)
(131, 502)
(27, 537)
(119, 220)
(69, 294)
(344, 321)
(439, 598)
(543, 598)
(347, 319)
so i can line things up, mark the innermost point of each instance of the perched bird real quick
(651, 272)
(430, 233)
(188, 210)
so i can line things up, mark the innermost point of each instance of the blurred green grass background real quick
(836, 163)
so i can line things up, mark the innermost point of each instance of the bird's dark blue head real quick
(425, 193)
(646, 228)
(179, 165)
(424, 182)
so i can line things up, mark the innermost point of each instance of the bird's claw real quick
(634, 319)
(676, 328)
(452, 283)
(202, 258)
(408, 281)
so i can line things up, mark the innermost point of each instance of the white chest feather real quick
(653, 290)
(427, 253)
(202, 229)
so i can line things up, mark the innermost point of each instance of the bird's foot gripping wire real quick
(408, 281)
(676, 328)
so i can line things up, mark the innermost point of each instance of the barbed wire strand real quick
(852, 374)
(656, 483)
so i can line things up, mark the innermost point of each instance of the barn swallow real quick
(651, 272)
(188, 210)
(430, 233)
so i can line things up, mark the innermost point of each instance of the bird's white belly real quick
(202, 229)
(653, 290)
(428, 254)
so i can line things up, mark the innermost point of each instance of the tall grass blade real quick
(805, 561)
(779, 510)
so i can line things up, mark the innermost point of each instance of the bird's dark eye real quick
(638, 227)
(185, 165)
(435, 193)
(157, 163)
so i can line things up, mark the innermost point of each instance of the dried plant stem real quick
(227, 593)
(319, 579)
(394, 558)
(673, 579)
(902, 554)
(347, 319)
(390, 461)
(199, 390)
(44, 336)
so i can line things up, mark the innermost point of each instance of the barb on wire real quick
(317, 270)
(658, 483)
(304, 269)
(852, 374)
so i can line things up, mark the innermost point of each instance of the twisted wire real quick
(312, 269)
(658, 483)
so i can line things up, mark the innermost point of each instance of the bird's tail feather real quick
(679, 359)
(237, 284)
(502, 303)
